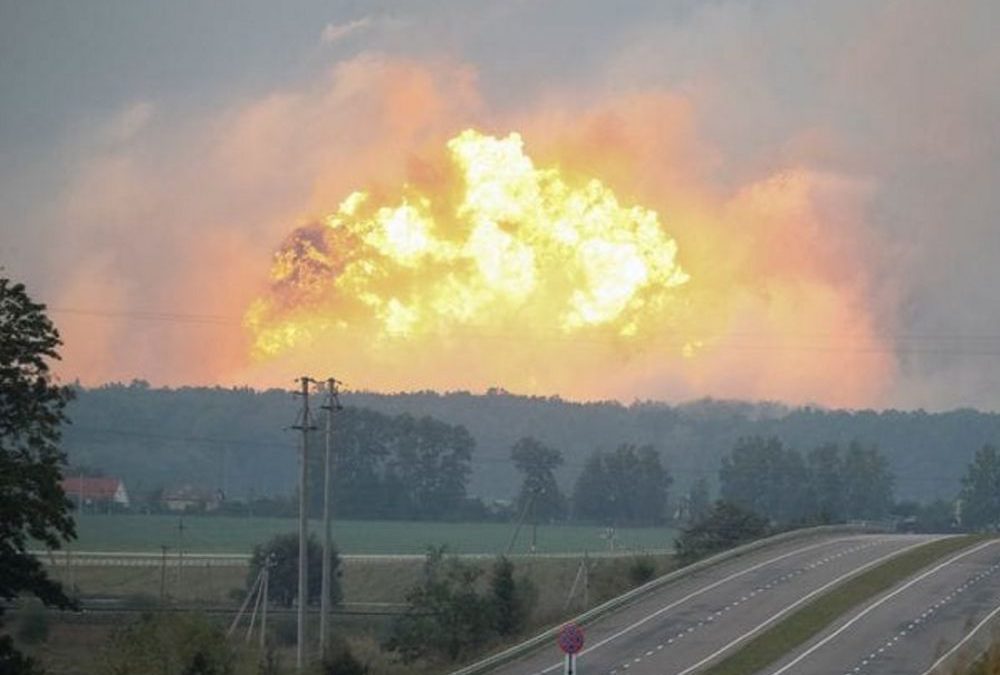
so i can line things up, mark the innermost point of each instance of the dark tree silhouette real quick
(981, 490)
(725, 526)
(539, 488)
(283, 583)
(626, 486)
(32, 502)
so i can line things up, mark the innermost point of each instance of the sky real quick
(827, 170)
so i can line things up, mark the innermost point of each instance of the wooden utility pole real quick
(303, 594)
(332, 405)
(268, 564)
(180, 553)
(163, 574)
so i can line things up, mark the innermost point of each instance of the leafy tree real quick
(628, 485)
(981, 490)
(593, 493)
(512, 599)
(32, 502)
(446, 616)
(394, 467)
(726, 526)
(432, 463)
(537, 462)
(283, 582)
(826, 482)
(762, 476)
(868, 483)
(699, 501)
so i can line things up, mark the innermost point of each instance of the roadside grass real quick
(235, 534)
(363, 581)
(987, 663)
(70, 647)
(806, 622)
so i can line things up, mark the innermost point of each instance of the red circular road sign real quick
(571, 638)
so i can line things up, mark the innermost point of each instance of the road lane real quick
(907, 629)
(676, 627)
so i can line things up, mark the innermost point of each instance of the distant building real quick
(191, 498)
(88, 491)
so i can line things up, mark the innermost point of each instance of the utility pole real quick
(163, 574)
(303, 596)
(180, 553)
(268, 564)
(332, 405)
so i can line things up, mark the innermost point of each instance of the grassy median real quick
(803, 624)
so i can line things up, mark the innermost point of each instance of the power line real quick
(143, 315)
(189, 317)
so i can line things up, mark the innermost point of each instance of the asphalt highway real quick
(909, 628)
(680, 628)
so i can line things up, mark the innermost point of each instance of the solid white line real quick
(695, 594)
(774, 617)
(857, 617)
(968, 637)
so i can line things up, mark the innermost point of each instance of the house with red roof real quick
(88, 490)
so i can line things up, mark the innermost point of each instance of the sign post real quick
(570, 642)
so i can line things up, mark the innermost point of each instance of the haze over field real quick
(784, 200)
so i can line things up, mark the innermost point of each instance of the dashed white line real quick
(857, 617)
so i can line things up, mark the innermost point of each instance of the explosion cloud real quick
(490, 269)
(510, 244)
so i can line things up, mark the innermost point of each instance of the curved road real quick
(678, 629)
(909, 628)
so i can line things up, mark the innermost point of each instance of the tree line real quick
(828, 484)
(395, 467)
(235, 439)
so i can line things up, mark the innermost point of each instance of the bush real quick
(283, 588)
(512, 600)
(641, 569)
(284, 630)
(32, 625)
(168, 645)
(725, 527)
(342, 662)
(447, 617)
(14, 662)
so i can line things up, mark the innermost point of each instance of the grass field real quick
(238, 535)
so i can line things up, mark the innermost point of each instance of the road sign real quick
(571, 638)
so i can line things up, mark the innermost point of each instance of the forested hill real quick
(237, 439)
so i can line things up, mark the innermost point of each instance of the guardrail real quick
(591, 615)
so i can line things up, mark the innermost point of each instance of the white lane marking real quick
(774, 582)
(694, 594)
(860, 615)
(961, 642)
(805, 598)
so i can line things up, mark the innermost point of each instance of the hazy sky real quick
(152, 154)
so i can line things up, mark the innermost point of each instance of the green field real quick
(238, 535)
